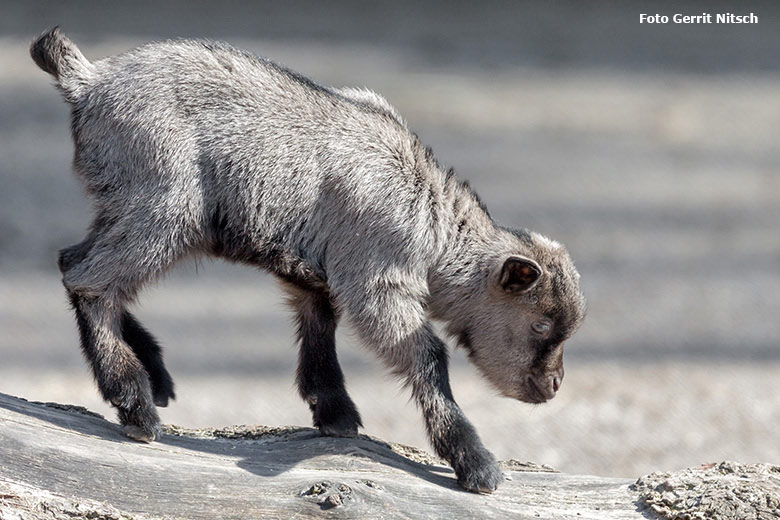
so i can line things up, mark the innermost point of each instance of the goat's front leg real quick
(320, 379)
(451, 433)
(388, 315)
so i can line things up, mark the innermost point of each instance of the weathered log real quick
(59, 461)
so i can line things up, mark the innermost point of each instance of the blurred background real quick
(651, 151)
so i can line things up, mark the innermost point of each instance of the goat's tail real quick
(56, 54)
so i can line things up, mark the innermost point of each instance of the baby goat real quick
(191, 147)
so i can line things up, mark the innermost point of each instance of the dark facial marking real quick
(464, 340)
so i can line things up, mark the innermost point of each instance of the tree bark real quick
(58, 461)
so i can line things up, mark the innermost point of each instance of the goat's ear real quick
(519, 274)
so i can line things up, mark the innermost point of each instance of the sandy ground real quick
(650, 152)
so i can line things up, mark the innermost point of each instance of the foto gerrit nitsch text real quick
(698, 18)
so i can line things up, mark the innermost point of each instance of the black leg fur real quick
(149, 353)
(452, 435)
(120, 376)
(320, 379)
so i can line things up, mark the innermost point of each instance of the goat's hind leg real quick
(119, 374)
(149, 353)
(101, 275)
(145, 347)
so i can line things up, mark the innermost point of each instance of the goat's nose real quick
(557, 380)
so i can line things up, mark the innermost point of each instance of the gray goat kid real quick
(194, 147)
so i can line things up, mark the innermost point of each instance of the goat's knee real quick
(70, 256)
(78, 284)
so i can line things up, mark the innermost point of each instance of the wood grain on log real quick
(64, 462)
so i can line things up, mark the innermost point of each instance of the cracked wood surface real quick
(58, 461)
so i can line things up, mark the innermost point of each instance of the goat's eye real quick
(540, 327)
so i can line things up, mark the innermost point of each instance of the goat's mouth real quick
(533, 393)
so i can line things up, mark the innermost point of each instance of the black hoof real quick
(161, 401)
(138, 434)
(141, 424)
(162, 387)
(481, 475)
(335, 415)
(134, 403)
(347, 428)
(162, 394)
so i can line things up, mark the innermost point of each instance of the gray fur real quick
(194, 147)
